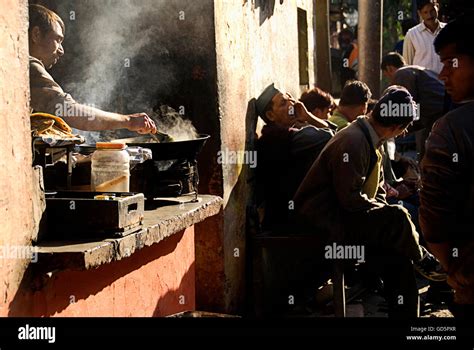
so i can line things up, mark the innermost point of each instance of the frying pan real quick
(188, 149)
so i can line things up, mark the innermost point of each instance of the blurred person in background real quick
(318, 102)
(418, 46)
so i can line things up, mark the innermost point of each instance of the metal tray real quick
(78, 215)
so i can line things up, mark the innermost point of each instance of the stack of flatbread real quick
(50, 126)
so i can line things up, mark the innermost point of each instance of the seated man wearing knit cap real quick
(291, 141)
(343, 200)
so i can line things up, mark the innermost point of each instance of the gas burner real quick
(165, 178)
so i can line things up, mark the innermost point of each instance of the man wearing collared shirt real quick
(418, 46)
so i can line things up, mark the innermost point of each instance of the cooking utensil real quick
(162, 137)
(188, 149)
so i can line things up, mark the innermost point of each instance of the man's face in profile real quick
(282, 112)
(47, 47)
(457, 73)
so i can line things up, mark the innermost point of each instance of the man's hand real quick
(404, 191)
(301, 113)
(141, 123)
(391, 192)
(304, 116)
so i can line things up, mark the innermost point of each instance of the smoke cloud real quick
(171, 122)
(120, 55)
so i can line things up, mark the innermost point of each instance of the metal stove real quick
(166, 178)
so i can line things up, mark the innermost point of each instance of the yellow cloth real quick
(372, 182)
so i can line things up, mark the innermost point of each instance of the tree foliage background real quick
(394, 12)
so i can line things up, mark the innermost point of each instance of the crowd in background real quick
(401, 184)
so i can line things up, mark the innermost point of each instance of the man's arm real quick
(303, 115)
(48, 97)
(93, 119)
(441, 185)
(408, 49)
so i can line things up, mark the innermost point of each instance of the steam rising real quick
(171, 122)
(121, 56)
(118, 47)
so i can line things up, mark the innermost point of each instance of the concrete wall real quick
(176, 65)
(20, 201)
(256, 44)
(227, 52)
(156, 281)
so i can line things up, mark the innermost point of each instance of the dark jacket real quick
(427, 90)
(447, 196)
(334, 183)
(284, 157)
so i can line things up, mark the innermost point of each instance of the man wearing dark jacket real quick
(291, 141)
(425, 87)
(447, 196)
(342, 198)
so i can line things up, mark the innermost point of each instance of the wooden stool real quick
(265, 241)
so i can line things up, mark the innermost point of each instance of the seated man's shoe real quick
(440, 293)
(430, 268)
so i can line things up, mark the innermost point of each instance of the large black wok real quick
(188, 149)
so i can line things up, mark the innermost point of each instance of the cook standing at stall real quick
(46, 34)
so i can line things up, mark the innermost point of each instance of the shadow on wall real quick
(178, 300)
(241, 208)
(39, 295)
(267, 8)
(222, 276)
